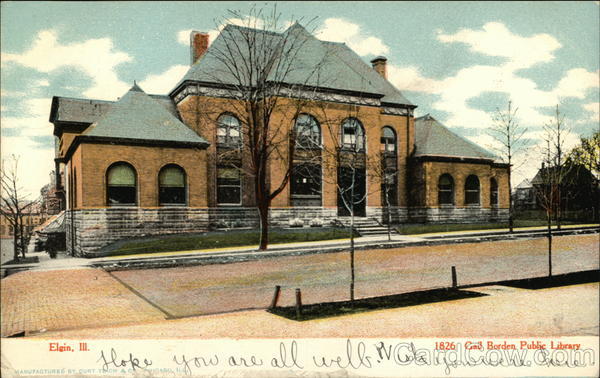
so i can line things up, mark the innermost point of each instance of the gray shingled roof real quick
(434, 139)
(317, 63)
(89, 111)
(138, 116)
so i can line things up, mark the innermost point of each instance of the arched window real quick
(472, 190)
(308, 132)
(228, 131)
(446, 190)
(121, 185)
(388, 140)
(493, 192)
(353, 135)
(171, 185)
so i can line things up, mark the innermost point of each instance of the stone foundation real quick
(87, 231)
(453, 214)
(399, 214)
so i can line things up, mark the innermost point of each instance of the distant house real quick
(579, 190)
(149, 164)
(524, 196)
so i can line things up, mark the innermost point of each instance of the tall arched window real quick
(493, 192)
(388, 140)
(171, 185)
(472, 190)
(446, 190)
(228, 131)
(353, 135)
(121, 185)
(308, 132)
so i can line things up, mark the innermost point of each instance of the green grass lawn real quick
(209, 240)
(409, 229)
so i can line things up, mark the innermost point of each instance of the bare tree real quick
(556, 131)
(509, 134)
(15, 206)
(345, 165)
(254, 64)
(383, 168)
(551, 176)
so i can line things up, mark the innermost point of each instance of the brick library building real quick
(181, 163)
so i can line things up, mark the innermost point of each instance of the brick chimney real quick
(198, 45)
(379, 64)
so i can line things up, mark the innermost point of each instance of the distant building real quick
(524, 196)
(149, 164)
(579, 191)
(32, 218)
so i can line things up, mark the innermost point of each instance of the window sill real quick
(172, 205)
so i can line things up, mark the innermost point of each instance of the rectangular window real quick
(229, 185)
(121, 195)
(472, 197)
(172, 195)
(306, 180)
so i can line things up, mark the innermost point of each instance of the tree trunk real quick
(352, 251)
(263, 212)
(549, 244)
(510, 202)
(22, 237)
(559, 209)
(15, 243)
(351, 208)
(389, 214)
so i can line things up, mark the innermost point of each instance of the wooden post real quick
(454, 283)
(275, 297)
(298, 303)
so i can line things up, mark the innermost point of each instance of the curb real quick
(234, 257)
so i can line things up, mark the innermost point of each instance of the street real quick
(43, 301)
(197, 290)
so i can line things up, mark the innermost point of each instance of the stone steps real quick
(367, 226)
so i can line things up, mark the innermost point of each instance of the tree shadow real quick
(332, 309)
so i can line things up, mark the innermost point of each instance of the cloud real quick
(35, 163)
(594, 109)
(18, 134)
(455, 92)
(496, 40)
(95, 57)
(6, 93)
(183, 36)
(340, 30)
(576, 83)
(41, 83)
(411, 79)
(33, 121)
(162, 83)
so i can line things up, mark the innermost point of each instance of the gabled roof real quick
(571, 174)
(434, 139)
(525, 184)
(315, 63)
(138, 116)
